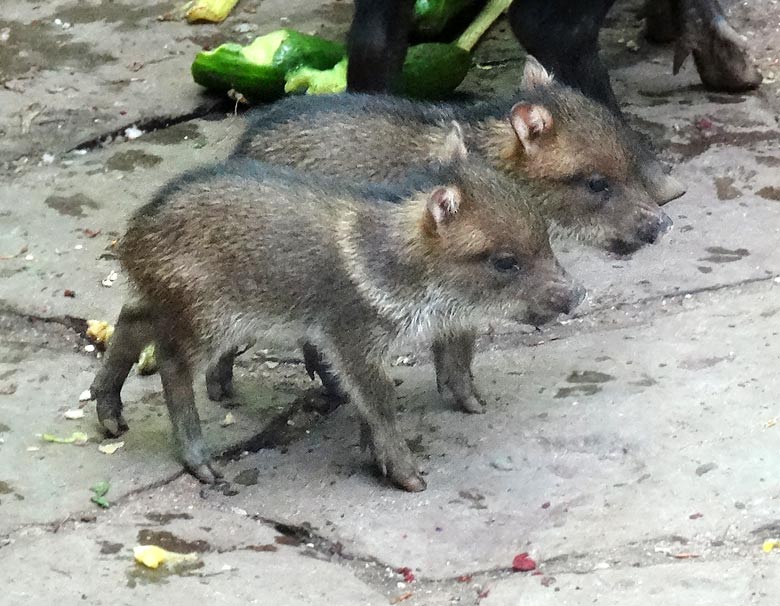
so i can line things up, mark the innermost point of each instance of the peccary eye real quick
(506, 263)
(598, 184)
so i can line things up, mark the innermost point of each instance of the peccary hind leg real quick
(176, 377)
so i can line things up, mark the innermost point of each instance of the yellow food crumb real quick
(152, 556)
(99, 331)
(770, 544)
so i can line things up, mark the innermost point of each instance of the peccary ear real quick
(530, 122)
(534, 74)
(443, 204)
(454, 145)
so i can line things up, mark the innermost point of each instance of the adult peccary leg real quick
(453, 354)
(700, 28)
(134, 330)
(377, 42)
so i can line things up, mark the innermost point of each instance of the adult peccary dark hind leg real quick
(700, 28)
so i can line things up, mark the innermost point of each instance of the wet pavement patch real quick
(185, 131)
(476, 500)
(247, 477)
(585, 389)
(706, 468)
(109, 548)
(125, 16)
(266, 547)
(768, 160)
(285, 539)
(139, 574)
(131, 159)
(587, 383)
(701, 141)
(72, 206)
(168, 540)
(700, 363)
(589, 376)
(718, 254)
(166, 518)
(725, 188)
(43, 45)
(769, 193)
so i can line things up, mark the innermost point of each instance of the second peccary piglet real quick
(245, 251)
(547, 132)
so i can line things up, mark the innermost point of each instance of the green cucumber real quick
(431, 17)
(258, 70)
(227, 67)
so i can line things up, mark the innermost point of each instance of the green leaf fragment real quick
(101, 502)
(101, 488)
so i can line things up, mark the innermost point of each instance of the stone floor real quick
(632, 451)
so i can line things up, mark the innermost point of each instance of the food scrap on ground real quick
(99, 498)
(770, 544)
(523, 563)
(79, 438)
(153, 556)
(111, 447)
(99, 331)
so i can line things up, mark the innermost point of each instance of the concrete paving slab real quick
(239, 561)
(642, 431)
(660, 433)
(75, 70)
(732, 581)
(43, 482)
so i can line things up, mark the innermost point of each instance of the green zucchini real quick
(430, 71)
(431, 17)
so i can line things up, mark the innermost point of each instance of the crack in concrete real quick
(152, 124)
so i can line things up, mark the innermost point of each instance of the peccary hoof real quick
(205, 472)
(114, 426)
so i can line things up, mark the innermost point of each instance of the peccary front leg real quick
(377, 42)
(176, 378)
(373, 393)
(453, 354)
(134, 330)
(564, 37)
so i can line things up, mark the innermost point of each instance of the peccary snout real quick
(652, 231)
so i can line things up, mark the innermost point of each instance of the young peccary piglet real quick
(563, 141)
(243, 251)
